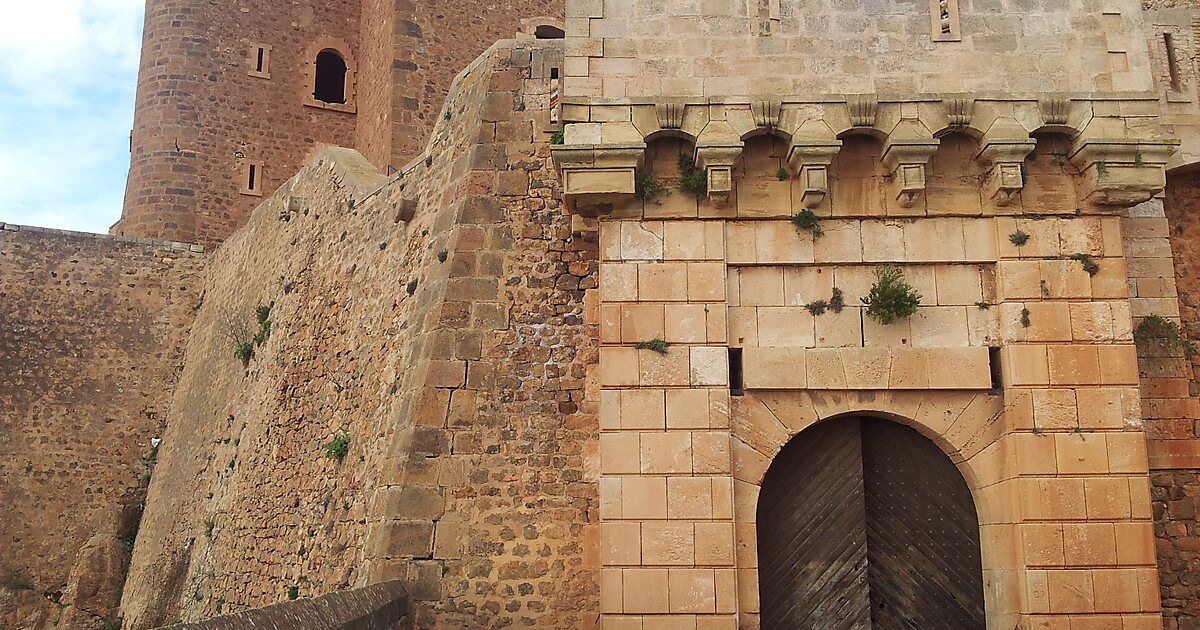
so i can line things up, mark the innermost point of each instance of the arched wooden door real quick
(865, 523)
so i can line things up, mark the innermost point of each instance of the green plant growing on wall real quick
(208, 528)
(1025, 321)
(110, 625)
(647, 188)
(656, 345)
(692, 180)
(293, 592)
(338, 447)
(1159, 331)
(442, 255)
(447, 115)
(1045, 288)
(558, 137)
(1018, 238)
(411, 287)
(285, 216)
(244, 352)
(837, 301)
(891, 297)
(782, 175)
(806, 220)
(983, 306)
(1089, 264)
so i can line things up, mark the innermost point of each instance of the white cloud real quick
(68, 71)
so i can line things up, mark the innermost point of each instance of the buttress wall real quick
(436, 319)
(91, 332)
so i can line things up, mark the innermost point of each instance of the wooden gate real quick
(864, 523)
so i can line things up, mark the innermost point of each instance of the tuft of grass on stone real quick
(338, 447)
(557, 137)
(782, 175)
(1025, 321)
(807, 220)
(657, 345)
(1018, 238)
(293, 592)
(411, 287)
(692, 180)
(1089, 264)
(817, 308)
(647, 188)
(1155, 329)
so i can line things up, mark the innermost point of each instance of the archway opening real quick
(330, 84)
(546, 31)
(865, 523)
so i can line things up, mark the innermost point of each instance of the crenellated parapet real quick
(1117, 154)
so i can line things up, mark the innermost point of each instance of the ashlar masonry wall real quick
(92, 332)
(437, 318)
(1055, 452)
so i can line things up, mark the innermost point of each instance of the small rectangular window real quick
(997, 370)
(252, 175)
(943, 16)
(1172, 62)
(260, 61)
(553, 73)
(737, 385)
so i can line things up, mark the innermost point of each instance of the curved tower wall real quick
(205, 113)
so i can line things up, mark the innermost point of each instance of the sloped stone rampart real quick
(436, 318)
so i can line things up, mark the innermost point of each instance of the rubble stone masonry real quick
(437, 319)
(92, 331)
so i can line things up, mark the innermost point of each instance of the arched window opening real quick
(546, 31)
(330, 84)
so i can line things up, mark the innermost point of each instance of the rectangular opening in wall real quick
(737, 385)
(260, 61)
(1172, 62)
(944, 20)
(553, 73)
(996, 370)
(252, 179)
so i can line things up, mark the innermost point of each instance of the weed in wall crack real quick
(1025, 321)
(338, 447)
(557, 137)
(891, 297)
(1089, 264)
(807, 220)
(1018, 238)
(692, 180)
(656, 345)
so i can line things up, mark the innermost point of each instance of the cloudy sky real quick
(67, 75)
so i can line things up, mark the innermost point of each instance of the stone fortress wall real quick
(469, 322)
(92, 331)
(641, 72)
(205, 113)
(436, 317)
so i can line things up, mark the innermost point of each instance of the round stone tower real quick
(228, 108)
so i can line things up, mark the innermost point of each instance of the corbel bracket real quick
(811, 161)
(717, 161)
(904, 161)
(1006, 158)
(1122, 172)
(595, 177)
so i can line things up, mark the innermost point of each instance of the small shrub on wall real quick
(891, 297)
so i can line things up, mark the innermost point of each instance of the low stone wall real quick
(379, 607)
